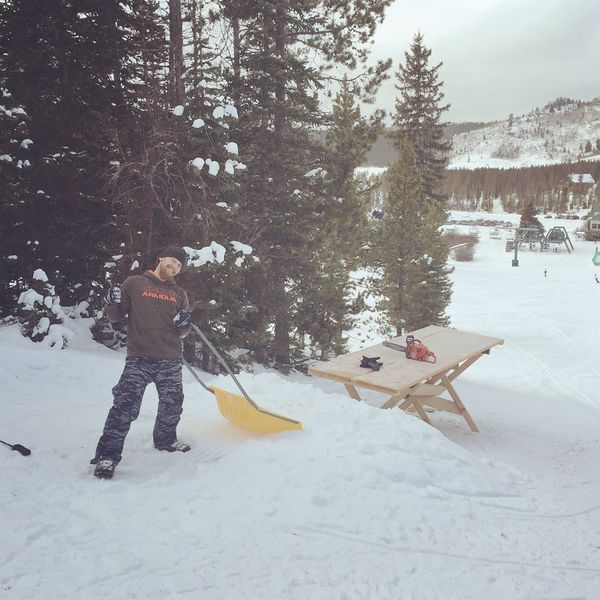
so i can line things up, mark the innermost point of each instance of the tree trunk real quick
(260, 330)
(235, 24)
(281, 344)
(281, 341)
(399, 308)
(176, 89)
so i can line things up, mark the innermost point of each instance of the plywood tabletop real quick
(451, 347)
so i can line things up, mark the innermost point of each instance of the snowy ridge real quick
(557, 133)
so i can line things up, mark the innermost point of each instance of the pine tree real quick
(328, 294)
(58, 61)
(18, 199)
(429, 272)
(212, 189)
(529, 217)
(398, 243)
(140, 129)
(418, 111)
(415, 283)
(179, 172)
(39, 308)
(281, 207)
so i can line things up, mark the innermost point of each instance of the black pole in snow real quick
(24, 451)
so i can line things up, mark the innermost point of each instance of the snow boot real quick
(176, 446)
(105, 468)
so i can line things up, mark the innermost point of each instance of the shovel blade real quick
(239, 411)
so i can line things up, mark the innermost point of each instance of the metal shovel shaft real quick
(195, 375)
(222, 361)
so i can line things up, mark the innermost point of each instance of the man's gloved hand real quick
(113, 296)
(182, 319)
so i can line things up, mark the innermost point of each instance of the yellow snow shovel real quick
(241, 410)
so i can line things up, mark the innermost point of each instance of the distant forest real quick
(547, 187)
(544, 186)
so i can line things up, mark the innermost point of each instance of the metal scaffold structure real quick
(558, 236)
(532, 236)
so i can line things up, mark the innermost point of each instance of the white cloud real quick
(500, 56)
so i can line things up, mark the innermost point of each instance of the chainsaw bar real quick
(394, 346)
(414, 349)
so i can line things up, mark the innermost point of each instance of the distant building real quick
(582, 178)
(592, 224)
(577, 182)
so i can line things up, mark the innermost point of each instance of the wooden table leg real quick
(352, 391)
(461, 407)
(420, 411)
(409, 403)
(392, 401)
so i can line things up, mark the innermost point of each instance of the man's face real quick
(168, 267)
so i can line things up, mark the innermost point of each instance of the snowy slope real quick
(362, 504)
(553, 134)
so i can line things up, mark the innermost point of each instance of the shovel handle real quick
(222, 361)
(195, 375)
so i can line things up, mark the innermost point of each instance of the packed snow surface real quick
(362, 504)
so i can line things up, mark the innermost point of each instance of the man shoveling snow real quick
(157, 318)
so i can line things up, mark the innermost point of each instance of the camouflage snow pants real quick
(128, 393)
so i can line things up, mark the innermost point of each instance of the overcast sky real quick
(500, 56)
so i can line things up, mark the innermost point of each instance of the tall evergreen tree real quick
(140, 130)
(179, 171)
(418, 111)
(415, 279)
(18, 200)
(397, 247)
(58, 59)
(430, 291)
(348, 140)
(329, 297)
(277, 89)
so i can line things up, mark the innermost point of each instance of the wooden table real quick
(413, 384)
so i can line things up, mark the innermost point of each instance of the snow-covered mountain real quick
(563, 130)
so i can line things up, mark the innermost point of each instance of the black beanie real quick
(174, 252)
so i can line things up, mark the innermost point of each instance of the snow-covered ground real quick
(362, 504)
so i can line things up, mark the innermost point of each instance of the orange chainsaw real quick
(414, 349)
